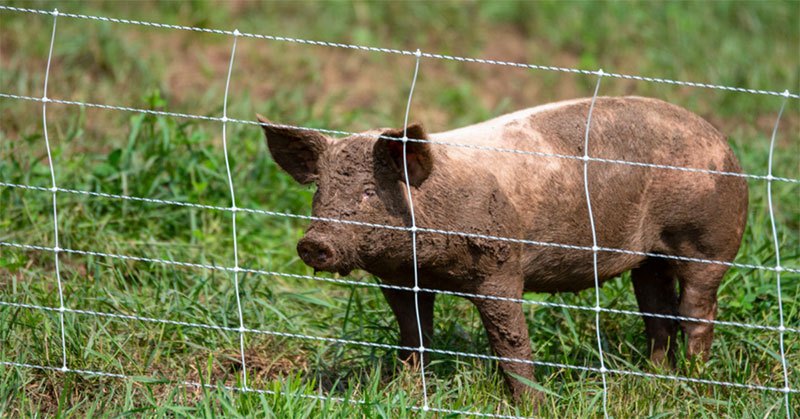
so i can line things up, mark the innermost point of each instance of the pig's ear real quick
(297, 151)
(418, 154)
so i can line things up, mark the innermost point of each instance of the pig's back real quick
(628, 128)
(632, 205)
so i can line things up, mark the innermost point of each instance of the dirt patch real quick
(371, 86)
(511, 44)
(342, 80)
(348, 80)
(31, 64)
(763, 125)
(190, 69)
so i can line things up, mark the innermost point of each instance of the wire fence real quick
(242, 330)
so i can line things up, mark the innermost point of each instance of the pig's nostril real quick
(314, 253)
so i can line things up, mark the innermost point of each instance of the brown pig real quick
(537, 198)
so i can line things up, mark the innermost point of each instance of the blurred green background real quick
(742, 44)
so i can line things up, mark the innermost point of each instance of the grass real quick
(742, 44)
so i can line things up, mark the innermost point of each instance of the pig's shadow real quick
(339, 369)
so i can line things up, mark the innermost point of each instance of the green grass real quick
(741, 44)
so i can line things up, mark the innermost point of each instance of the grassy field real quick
(748, 44)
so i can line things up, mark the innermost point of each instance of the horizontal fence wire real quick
(396, 287)
(423, 230)
(414, 229)
(206, 386)
(768, 177)
(387, 346)
(407, 52)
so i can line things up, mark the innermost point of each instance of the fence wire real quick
(379, 345)
(595, 248)
(414, 229)
(430, 141)
(418, 229)
(778, 267)
(206, 386)
(54, 191)
(406, 52)
(365, 284)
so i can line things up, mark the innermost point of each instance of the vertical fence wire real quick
(54, 190)
(57, 250)
(421, 348)
(234, 210)
(595, 249)
(778, 268)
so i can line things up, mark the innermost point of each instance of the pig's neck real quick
(449, 261)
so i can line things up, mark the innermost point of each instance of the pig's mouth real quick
(344, 271)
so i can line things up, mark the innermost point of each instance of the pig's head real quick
(359, 178)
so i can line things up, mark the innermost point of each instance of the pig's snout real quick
(316, 253)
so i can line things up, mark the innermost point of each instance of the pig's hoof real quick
(410, 360)
(663, 359)
(403, 361)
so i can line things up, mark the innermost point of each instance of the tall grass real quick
(742, 44)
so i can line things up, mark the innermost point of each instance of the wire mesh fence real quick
(237, 271)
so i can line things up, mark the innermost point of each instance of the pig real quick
(538, 198)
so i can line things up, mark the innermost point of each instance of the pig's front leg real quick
(404, 308)
(508, 333)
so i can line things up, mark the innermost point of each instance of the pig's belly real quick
(562, 272)
(572, 283)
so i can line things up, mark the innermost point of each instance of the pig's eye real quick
(368, 193)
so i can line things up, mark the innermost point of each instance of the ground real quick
(749, 44)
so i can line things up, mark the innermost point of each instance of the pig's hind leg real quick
(654, 286)
(699, 284)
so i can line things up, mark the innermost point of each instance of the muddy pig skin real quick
(540, 198)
